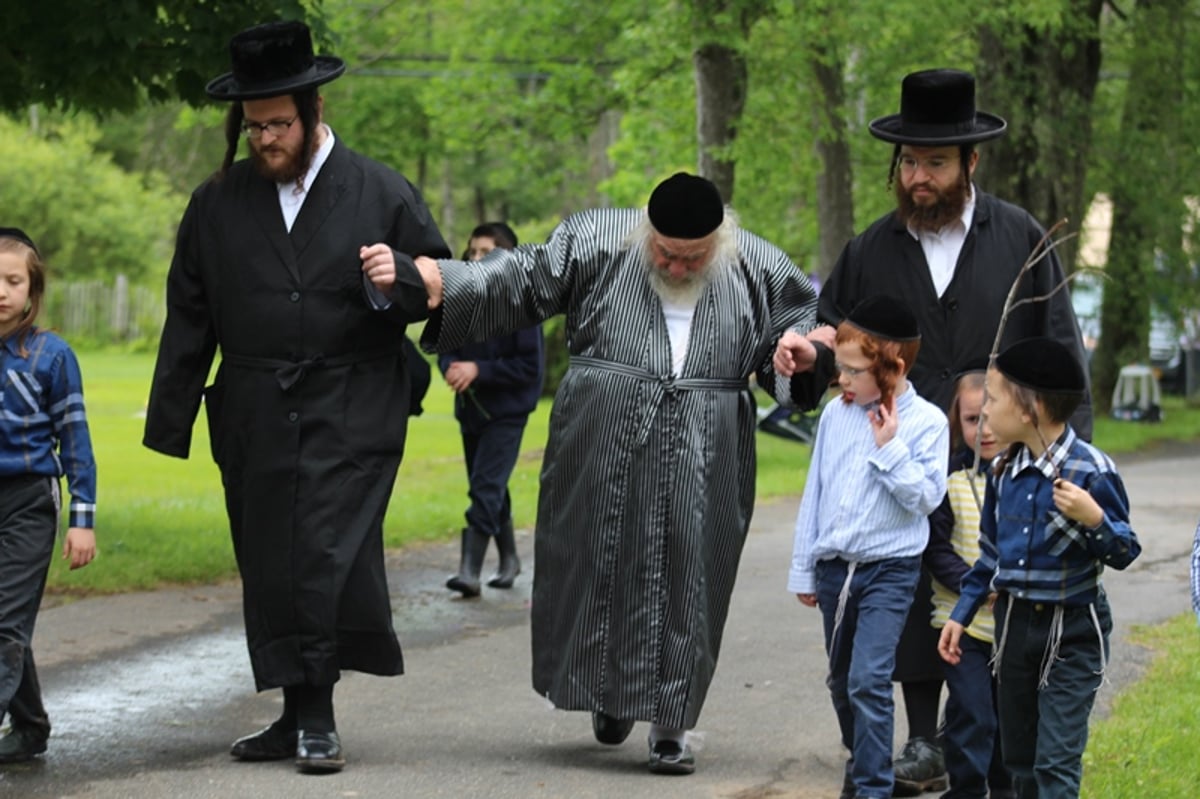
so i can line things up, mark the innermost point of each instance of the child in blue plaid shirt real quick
(43, 435)
(1055, 514)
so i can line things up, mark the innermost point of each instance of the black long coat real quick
(308, 411)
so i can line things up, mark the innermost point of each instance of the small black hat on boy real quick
(885, 318)
(19, 235)
(1042, 364)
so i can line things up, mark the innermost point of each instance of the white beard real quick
(686, 290)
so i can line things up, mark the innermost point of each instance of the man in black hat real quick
(648, 480)
(293, 261)
(951, 252)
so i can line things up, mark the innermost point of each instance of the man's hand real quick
(431, 273)
(461, 374)
(795, 353)
(379, 265)
(948, 646)
(809, 600)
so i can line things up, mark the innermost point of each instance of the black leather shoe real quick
(319, 753)
(609, 730)
(269, 743)
(919, 768)
(21, 744)
(671, 757)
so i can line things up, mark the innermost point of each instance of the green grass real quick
(162, 520)
(1147, 746)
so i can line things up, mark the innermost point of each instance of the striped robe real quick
(647, 484)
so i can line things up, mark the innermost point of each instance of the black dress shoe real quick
(609, 730)
(319, 753)
(21, 744)
(270, 743)
(671, 757)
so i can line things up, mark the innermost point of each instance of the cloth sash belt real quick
(664, 384)
(289, 373)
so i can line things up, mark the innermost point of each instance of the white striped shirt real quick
(862, 502)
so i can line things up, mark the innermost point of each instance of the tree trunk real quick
(721, 80)
(1142, 198)
(835, 196)
(1042, 82)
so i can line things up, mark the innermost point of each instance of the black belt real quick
(289, 373)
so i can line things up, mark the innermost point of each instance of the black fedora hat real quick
(937, 108)
(272, 60)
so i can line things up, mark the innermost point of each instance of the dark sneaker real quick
(20, 744)
(919, 768)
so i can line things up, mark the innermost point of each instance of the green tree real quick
(1150, 169)
(90, 218)
(113, 56)
(1040, 62)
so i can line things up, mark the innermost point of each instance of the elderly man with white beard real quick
(647, 486)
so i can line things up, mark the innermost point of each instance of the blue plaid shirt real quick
(43, 427)
(1029, 549)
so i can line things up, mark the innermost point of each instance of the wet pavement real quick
(146, 691)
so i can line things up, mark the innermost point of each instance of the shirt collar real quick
(1050, 463)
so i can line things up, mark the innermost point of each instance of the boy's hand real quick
(884, 422)
(1076, 503)
(79, 547)
(948, 646)
(807, 599)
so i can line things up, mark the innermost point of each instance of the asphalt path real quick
(146, 691)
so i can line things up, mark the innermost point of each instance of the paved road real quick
(146, 691)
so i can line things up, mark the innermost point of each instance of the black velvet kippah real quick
(885, 318)
(979, 364)
(1043, 364)
(19, 235)
(686, 207)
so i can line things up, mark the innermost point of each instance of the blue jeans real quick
(971, 740)
(1043, 731)
(862, 654)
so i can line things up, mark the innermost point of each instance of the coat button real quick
(293, 416)
(295, 296)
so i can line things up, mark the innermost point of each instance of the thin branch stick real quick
(1041, 250)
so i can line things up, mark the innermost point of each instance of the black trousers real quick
(490, 451)
(29, 506)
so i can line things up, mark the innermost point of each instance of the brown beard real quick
(945, 209)
(289, 172)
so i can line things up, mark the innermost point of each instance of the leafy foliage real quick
(89, 217)
(113, 55)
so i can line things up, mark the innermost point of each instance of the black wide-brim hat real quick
(272, 60)
(937, 108)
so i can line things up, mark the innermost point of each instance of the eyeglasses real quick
(936, 163)
(276, 127)
(849, 371)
